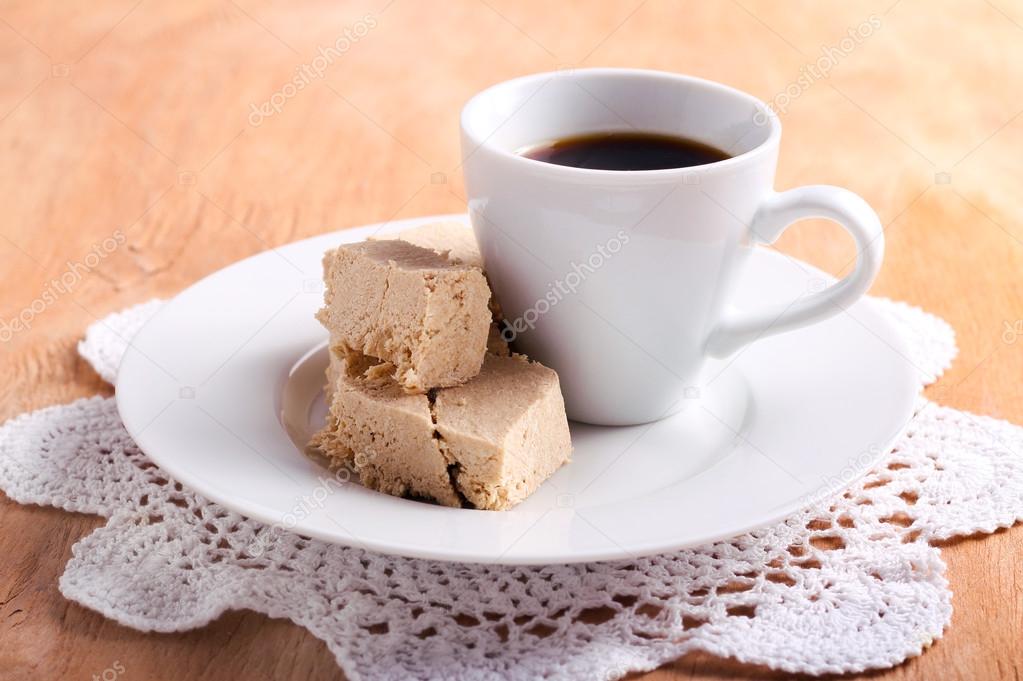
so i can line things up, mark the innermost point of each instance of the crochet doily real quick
(853, 584)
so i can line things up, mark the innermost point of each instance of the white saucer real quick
(792, 420)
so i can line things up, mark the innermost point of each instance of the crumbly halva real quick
(452, 239)
(409, 306)
(486, 444)
(448, 237)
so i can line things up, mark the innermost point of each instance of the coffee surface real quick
(625, 151)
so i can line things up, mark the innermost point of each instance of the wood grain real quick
(135, 116)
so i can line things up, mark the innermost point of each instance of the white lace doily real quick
(853, 584)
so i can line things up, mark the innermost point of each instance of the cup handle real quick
(776, 213)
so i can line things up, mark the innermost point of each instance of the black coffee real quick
(625, 151)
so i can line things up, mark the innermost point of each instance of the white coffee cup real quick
(621, 280)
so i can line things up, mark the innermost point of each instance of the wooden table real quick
(138, 116)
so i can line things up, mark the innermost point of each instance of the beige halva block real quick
(383, 433)
(487, 444)
(451, 239)
(505, 431)
(409, 306)
(447, 237)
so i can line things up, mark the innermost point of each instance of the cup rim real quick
(770, 142)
